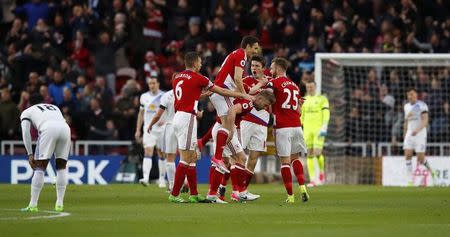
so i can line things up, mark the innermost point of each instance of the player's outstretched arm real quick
(238, 72)
(261, 84)
(405, 127)
(140, 119)
(325, 116)
(156, 118)
(230, 93)
(231, 118)
(423, 124)
(26, 135)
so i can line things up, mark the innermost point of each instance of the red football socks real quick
(180, 174)
(222, 136)
(238, 177)
(214, 182)
(208, 136)
(225, 179)
(297, 166)
(287, 177)
(192, 178)
(248, 177)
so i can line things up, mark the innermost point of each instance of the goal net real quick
(367, 93)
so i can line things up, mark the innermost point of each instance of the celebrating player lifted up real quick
(234, 150)
(289, 140)
(230, 77)
(187, 87)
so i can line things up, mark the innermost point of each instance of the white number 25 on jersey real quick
(290, 96)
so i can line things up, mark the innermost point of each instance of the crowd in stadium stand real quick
(91, 57)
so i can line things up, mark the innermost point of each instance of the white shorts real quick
(152, 139)
(289, 141)
(169, 140)
(185, 128)
(254, 136)
(54, 138)
(160, 141)
(418, 143)
(233, 147)
(221, 104)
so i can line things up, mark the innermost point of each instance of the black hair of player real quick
(36, 98)
(248, 40)
(259, 58)
(190, 58)
(411, 89)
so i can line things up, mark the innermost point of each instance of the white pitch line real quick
(57, 215)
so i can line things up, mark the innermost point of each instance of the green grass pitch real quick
(132, 210)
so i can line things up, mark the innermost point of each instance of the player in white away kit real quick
(415, 132)
(150, 101)
(169, 140)
(54, 138)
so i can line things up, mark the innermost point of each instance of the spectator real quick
(104, 57)
(56, 88)
(151, 67)
(9, 115)
(43, 90)
(124, 111)
(33, 84)
(68, 74)
(96, 121)
(33, 11)
(81, 55)
(103, 93)
(193, 38)
(69, 103)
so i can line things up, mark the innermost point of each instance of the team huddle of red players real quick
(243, 107)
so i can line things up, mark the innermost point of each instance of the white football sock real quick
(170, 170)
(37, 182)
(409, 170)
(162, 169)
(61, 184)
(146, 168)
(409, 167)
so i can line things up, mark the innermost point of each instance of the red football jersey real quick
(225, 76)
(187, 88)
(249, 82)
(286, 107)
(259, 117)
(247, 106)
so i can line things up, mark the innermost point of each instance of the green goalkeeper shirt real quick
(315, 112)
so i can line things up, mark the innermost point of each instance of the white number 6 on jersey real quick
(178, 91)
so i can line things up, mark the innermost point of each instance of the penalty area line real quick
(55, 215)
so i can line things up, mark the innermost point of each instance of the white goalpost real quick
(367, 93)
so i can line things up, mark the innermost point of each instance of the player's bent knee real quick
(60, 163)
(41, 164)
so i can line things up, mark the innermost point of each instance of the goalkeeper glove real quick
(323, 130)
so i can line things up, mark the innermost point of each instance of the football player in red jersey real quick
(253, 127)
(234, 149)
(230, 77)
(188, 86)
(289, 139)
